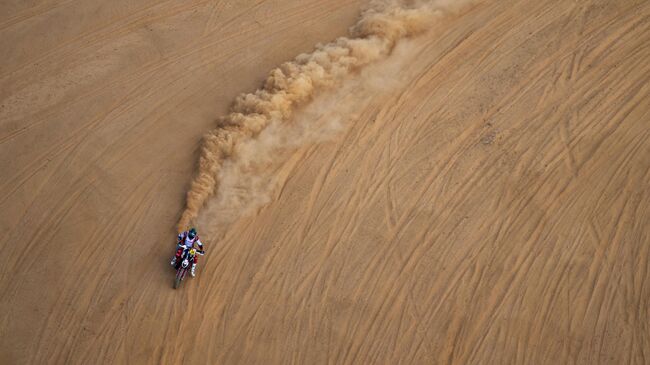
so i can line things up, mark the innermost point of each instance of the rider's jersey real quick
(184, 240)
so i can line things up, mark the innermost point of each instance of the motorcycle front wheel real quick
(179, 278)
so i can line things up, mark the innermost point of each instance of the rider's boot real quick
(193, 271)
(173, 261)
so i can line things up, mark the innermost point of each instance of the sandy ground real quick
(495, 208)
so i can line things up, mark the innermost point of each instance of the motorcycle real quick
(184, 265)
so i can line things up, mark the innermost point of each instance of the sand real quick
(489, 204)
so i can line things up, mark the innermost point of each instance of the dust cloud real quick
(306, 100)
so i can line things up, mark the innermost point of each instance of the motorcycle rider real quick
(186, 241)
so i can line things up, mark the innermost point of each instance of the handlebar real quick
(186, 248)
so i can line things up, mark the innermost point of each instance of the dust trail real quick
(259, 167)
(237, 145)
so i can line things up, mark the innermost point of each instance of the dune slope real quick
(492, 208)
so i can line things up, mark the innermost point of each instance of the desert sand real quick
(483, 196)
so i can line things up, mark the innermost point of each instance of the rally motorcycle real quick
(184, 265)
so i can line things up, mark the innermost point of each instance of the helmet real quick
(192, 233)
